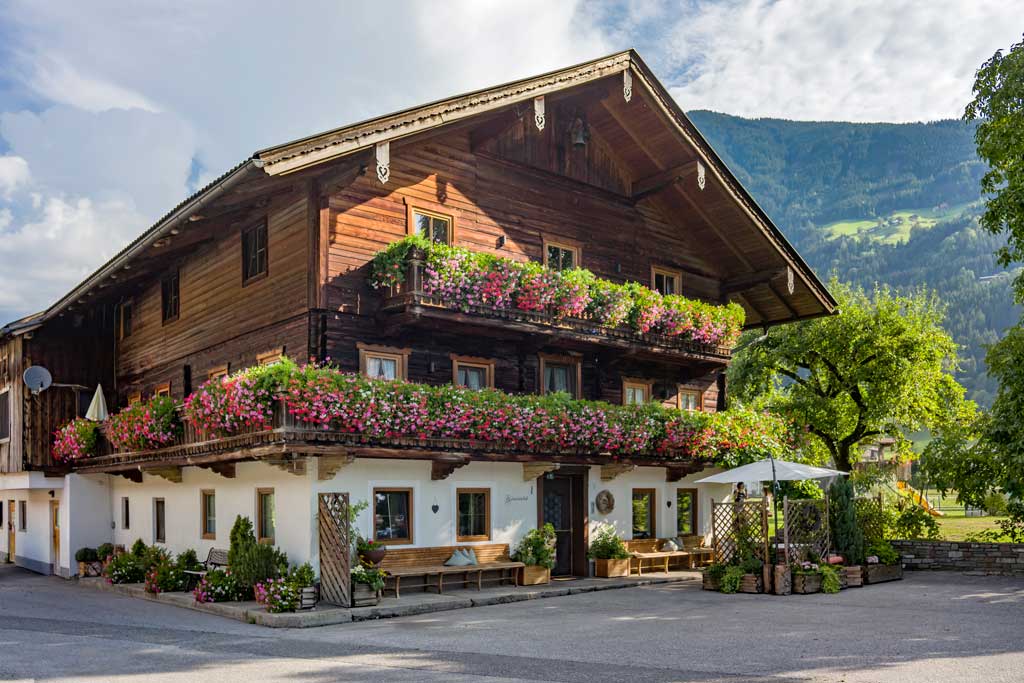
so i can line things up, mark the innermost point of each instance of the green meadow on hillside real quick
(895, 227)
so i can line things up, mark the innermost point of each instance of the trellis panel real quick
(739, 528)
(335, 549)
(805, 527)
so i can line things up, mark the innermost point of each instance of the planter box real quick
(533, 575)
(309, 597)
(364, 596)
(880, 573)
(710, 584)
(852, 577)
(90, 569)
(805, 584)
(783, 580)
(751, 583)
(611, 568)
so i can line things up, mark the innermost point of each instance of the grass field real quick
(895, 227)
(957, 528)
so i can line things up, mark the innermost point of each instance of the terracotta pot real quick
(373, 557)
(533, 575)
(611, 568)
(364, 596)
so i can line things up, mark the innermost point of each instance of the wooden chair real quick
(428, 565)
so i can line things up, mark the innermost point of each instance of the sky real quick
(112, 112)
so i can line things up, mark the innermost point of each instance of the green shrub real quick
(302, 576)
(885, 553)
(219, 585)
(996, 505)
(242, 538)
(188, 561)
(257, 563)
(732, 579)
(849, 539)
(153, 556)
(139, 548)
(829, 579)
(716, 571)
(86, 555)
(607, 545)
(537, 547)
(126, 568)
(913, 522)
(165, 576)
(104, 551)
(371, 576)
(751, 565)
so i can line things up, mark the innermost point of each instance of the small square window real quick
(208, 514)
(472, 373)
(270, 357)
(266, 520)
(170, 296)
(134, 398)
(690, 399)
(218, 372)
(159, 521)
(559, 256)
(644, 514)
(433, 226)
(254, 252)
(392, 515)
(635, 392)
(163, 389)
(665, 281)
(382, 362)
(474, 514)
(560, 374)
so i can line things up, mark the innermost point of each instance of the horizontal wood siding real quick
(11, 367)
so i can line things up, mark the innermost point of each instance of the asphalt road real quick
(929, 627)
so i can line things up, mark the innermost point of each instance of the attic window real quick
(5, 415)
(254, 252)
(169, 296)
(124, 319)
(665, 281)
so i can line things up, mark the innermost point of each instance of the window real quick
(392, 515)
(22, 516)
(124, 319)
(474, 510)
(126, 520)
(690, 399)
(665, 281)
(686, 512)
(169, 296)
(163, 389)
(270, 357)
(254, 252)
(5, 415)
(383, 362)
(218, 372)
(472, 373)
(644, 512)
(635, 392)
(208, 514)
(559, 256)
(434, 226)
(159, 521)
(135, 398)
(560, 373)
(265, 515)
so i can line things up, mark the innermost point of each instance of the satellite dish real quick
(37, 378)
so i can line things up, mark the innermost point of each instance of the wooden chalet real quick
(594, 165)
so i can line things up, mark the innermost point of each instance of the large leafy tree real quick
(999, 107)
(881, 366)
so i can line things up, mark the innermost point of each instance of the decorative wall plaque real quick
(605, 502)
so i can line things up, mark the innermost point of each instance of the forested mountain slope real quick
(881, 203)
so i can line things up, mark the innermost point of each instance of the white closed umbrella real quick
(98, 408)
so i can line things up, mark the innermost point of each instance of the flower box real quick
(611, 568)
(710, 584)
(751, 583)
(86, 569)
(533, 575)
(309, 596)
(783, 584)
(805, 584)
(852, 577)
(880, 573)
(364, 596)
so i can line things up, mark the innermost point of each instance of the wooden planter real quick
(751, 583)
(611, 568)
(533, 575)
(805, 584)
(90, 569)
(783, 584)
(711, 584)
(880, 573)
(364, 596)
(309, 597)
(852, 577)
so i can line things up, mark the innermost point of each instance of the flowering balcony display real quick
(468, 281)
(75, 440)
(144, 425)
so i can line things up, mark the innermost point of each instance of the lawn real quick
(956, 527)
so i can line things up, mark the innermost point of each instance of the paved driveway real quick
(930, 627)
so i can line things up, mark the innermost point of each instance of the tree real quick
(881, 366)
(849, 539)
(999, 106)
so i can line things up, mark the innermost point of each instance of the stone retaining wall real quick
(989, 558)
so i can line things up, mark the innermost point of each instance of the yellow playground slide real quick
(917, 497)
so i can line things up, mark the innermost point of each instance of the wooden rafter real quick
(750, 280)
(652, 184)
(224, 469)
(442, 469)
(612, 470)
(532, 470)
(289, 464)
(170, 473)
(330, 465)
(778, 295)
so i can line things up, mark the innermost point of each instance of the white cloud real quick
(57, 80)
(13, 174)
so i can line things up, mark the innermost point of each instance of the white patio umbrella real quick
(98, 407)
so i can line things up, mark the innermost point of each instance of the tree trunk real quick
(843, 457)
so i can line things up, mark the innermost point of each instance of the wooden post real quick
(785, 526)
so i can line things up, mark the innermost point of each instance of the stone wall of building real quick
(989, 558)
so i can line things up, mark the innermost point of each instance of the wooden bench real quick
(702, 554)
(428, 565)
(647, 550)
(217, 557)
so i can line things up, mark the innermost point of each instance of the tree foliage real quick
(849, 539)
(881, 366)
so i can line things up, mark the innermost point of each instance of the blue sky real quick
(112, 112)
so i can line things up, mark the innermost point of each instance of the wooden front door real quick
(563, 504)
(55, 533)
(10, 530)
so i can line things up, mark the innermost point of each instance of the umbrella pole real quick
(775, 505)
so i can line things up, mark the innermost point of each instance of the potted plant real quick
(806, 577)
(753, 575)
(367, 585)
(88, 562)
(305, 581)
(370, 552)
(537, 551)
(609, 553)
(883, 563)
(712, 579)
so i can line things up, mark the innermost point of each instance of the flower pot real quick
(86, 569)
(783, 584)
(710, 584)
(533, 575)
(805, 584)
(880, 573)
(611, 568)
(309, 596)
(373, 557)
(364, 596)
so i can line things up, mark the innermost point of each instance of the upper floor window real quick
(134, 398)
(254, 252)
(124, 319)
(561, 256)
(472, 373)
(169, 296)
(690, 399)
(270, 357)
(5, 415)
(560, 373)
(635, 392)
(433, 226)
(383, 362)
(665, 281)
(218, 372)
(163, 389)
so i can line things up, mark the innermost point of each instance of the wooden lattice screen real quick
(805, 528)
(739, 529)
(335, 550)
(870, 519)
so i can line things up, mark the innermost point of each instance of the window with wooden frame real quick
(636, 392)
(208, 514)
(474, 515)
(266, 520)
(472, 373)
(665, 280)
(560, 373)
(254, 252)
(170, 297)
(686, 512)
(22, 515)
(5, 415)
(645, 512)
(218, 372)
(383, 362)
(125, 313)
(126, 520)
(560, 255)
(270, 357)
(690, 399)
(162, 389)
(392, 515)
(135, 398)
(159, 521)
(432, 225)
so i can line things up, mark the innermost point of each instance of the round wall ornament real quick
(605, 502)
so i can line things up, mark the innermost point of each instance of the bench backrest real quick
(643, 545)
(217, 557)
(405, 558)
